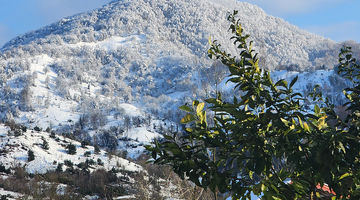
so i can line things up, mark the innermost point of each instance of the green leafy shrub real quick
(265, 137)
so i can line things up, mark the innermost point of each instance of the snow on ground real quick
(139, 137)
(10, 195)
(320, 77)
(16, 149)
(40, 71)
(49, 108)
(88, 197)
(3, 131)
(61, 189)
(130, 110)
(113, 43)
(141, 134)
(125, 197)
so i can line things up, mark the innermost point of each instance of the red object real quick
(325, 188)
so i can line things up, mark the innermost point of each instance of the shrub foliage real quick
(264, 141)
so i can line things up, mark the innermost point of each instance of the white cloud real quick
(289, 7)
(349, 30)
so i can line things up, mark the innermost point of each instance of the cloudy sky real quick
(335, 19)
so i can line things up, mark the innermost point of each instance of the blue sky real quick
(335, 19)
(338, 20)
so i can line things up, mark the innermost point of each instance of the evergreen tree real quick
(45, 144)
(31, 156)
(96, 149)
(71, 149)
(84, 143)
(59, 167)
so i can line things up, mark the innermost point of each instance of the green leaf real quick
(276, 198)
(149, 147)
(321, 124)
(300, 122)
(300, 149)
(185, 108)
(153, 154)
(285, 121)
(275, 189)
(202, 116)
(246, 108)
(263, 187)
(293, 81)
(345, 175)
(251, 173)
(306, 127)
(168, 137)
(211, 100)
(317, 109)
(188, 118)
(195, 103)
(200, 107)
(292, 127)
(342, 147)
(281, 82)
(189, 130)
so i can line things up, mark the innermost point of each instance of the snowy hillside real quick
(182, 26)
(15, 153)
(72, 174)
(115, 76)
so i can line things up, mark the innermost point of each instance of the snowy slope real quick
(15, 143)
(123, 69)
(17, 147)
(185, 25)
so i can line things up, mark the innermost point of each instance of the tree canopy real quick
(265, 141)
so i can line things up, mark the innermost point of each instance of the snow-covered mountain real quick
(184, 27)
(115, 76)
(122, 69)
